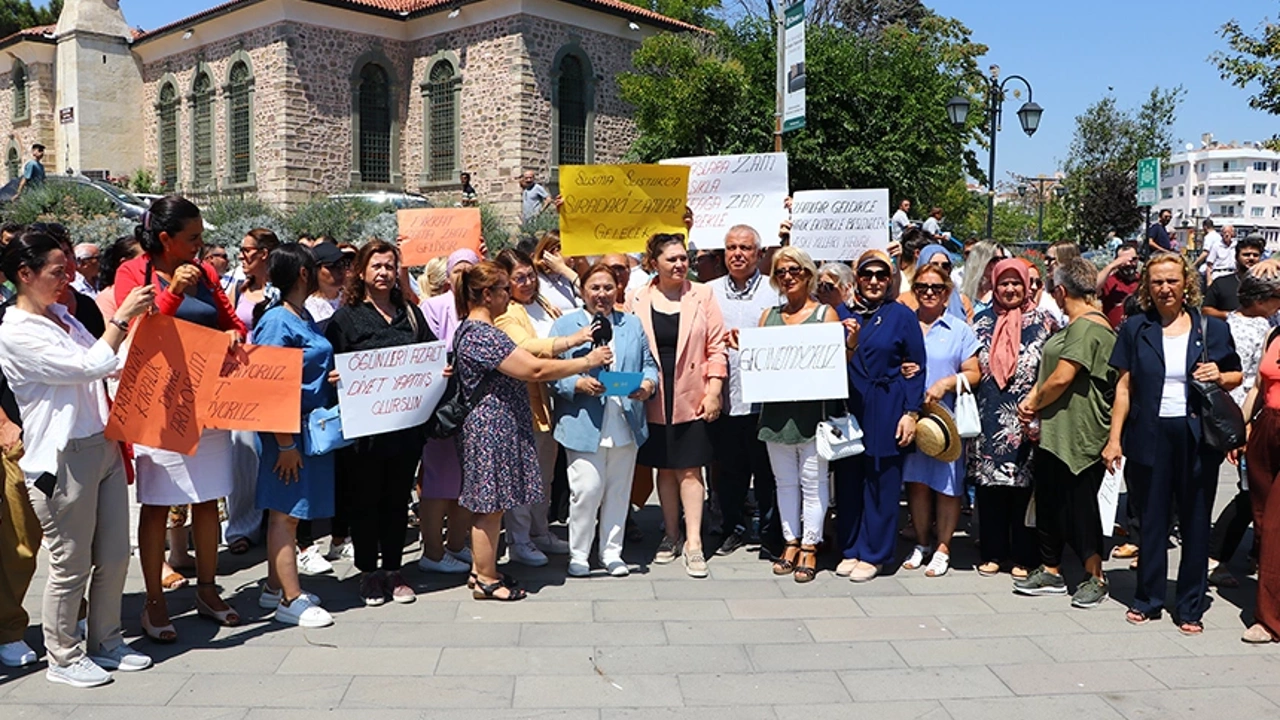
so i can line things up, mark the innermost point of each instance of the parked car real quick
(400, 200)
(129, 205)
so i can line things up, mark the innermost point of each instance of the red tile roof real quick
(31, 33)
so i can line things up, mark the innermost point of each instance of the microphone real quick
(603, 332)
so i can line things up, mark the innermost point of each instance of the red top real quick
(134, 272)
(1269, 370)
(1114, 292)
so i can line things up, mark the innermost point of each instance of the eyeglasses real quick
(501, 288)
(89, 259)
(788, 272)
(525, 279)
(826, 287)
(881, 275)
(1036, 284)
(248, 248)
(929, 288)
(942, 265)
(210, 256)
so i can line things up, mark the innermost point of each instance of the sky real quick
(1073, 52)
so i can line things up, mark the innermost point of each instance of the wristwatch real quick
(124, 326)
(912, 414)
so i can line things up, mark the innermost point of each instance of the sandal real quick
(225, 618)
(787, 563)
(173, 581)
(1192, 628)
(807, 564)
(239, 546)
(483, 591)
(163, 634)
(1125, 551)
(915, 560)
(990, 568)
(1019, 573)
(1137, 617)
(938, 565)
(505, 579)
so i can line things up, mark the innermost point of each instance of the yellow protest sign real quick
(615, 208)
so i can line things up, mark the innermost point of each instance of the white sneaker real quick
(446, 564)
(463, 555)
(579, 568)
(311, 562)
(551, 545)
(122, 658)
(303, 613)
(83, 674)
(270, 599)
(617, 568)
(341, 551)
(17, 654)
(526, 553)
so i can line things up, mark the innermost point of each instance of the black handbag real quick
(1221, 420)
(449, 415)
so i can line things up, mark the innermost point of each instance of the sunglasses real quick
(1037, 284)
(929, 288)
(881, 275)
(788, 272)
(210, 256)
(942, 265)
(826, 287)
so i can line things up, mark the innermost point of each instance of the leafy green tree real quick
(18, 15)
(1253, 59)
(694, 12)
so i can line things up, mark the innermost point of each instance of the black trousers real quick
(1067, 509)
(742, 456)
(380, 479)
(1002, 529)
(1183, 480)
(1229, 528)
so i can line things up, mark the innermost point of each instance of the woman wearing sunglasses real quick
(883, 335)
(937, 256)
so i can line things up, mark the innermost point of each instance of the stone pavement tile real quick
(125, 689)
(733, 632)
(885, 606)
(722, 571)
(594, 634)
(788, 608)
(322, 661)
(1195, 704)
(602, 587)
(1086, 647)
(1270, 692)
(1075, 677)
(672, 659)
(446, 635)
(761, 688)
(257, 691)
(1215, 671)
(1041, 706)
(823, 656)
(693, 713)
(887, 628)
(1221, 642)
(828, 585)
(600, 692)
(1010, 625)
(424, 712)
(528, 611)
(1007, 601)
(156, 712)
(474, 694)
(968, 651)
(42, 712)
(924, 683)
(273, 634)
(957, 582)
(639, 610)
(1109, 619)
(742, 589)
(903, 710)
(234, 660)
(396, 612)
(516, 661)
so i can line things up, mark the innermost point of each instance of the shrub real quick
(64, 202)
(343, 220)
(231, 232)
(102, 230)
(143, 181)
(229, 209)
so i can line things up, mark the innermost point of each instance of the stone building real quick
(287, 99)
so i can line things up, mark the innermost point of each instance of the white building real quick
(1232, 183)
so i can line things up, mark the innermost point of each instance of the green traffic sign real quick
(1148, 181)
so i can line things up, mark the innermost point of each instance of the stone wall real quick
(41, 117)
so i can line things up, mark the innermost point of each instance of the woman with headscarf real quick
(1012, 333)
(937, 256)
(883, 335)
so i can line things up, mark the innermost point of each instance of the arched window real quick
(441, 95)
(572, 106)
(13, 163)
(240, 141)
(375, 124)
(168, 109)
(20, 104)
(202, 131)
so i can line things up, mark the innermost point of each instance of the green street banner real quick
(1148, 181)
(793, 95)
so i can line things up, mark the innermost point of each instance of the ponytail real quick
(168, 214)
(472, 283)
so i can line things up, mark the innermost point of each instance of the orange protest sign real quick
(259, 387)
(427, 233)
(155, 404)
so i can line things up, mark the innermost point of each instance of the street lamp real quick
(1028, 116)
(1058, 190)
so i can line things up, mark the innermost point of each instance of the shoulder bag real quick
(839, 437)
(324, 432)
(449, 415)
(968, 423)
(1221, 420)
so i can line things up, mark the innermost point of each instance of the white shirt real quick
(81, 285)
(739, 311)
(540, 320)
(931, 227)
(322, 308)
(559, 292)
(54, 377)
(1049, 306)
(898, 223)
(1173, 398)
(615, 432)
(1221, 258)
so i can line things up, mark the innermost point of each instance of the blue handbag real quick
(324, 432)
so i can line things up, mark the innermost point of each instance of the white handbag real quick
(968, 424)
(839, 437)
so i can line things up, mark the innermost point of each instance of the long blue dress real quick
(949, 343)
(312, 496)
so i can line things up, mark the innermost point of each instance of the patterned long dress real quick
(1001, 455)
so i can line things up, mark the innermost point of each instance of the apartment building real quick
(1233, 183)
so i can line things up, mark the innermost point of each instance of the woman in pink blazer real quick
(686, 334)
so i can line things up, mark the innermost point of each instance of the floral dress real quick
(1001, 455)
(499, 463)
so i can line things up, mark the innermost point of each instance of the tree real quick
(694, 12)
(1101, 166)
(1253, 60)
(18, 15)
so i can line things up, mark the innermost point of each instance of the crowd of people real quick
(1002, 388)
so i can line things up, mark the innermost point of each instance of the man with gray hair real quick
(86, 279)
(743, 295)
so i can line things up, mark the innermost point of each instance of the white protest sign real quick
(840, 224)
(728, 190)
(389, 388)
(793, 362)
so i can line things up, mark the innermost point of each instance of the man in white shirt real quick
(743, 295)
(86, 279)
(933, 226)
(1219, 252)
(901, 219)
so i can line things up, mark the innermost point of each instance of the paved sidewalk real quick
(741, 644)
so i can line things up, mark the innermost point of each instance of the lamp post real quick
(1028, 116)
(1039, 181)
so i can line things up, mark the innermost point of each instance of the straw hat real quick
(936, 433)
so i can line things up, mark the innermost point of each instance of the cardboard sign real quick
(156, 402)
(390, 388)
(616, 208)
(427, 233)
(840, 224)
(259, 387)
(728, 190)
(793, 362)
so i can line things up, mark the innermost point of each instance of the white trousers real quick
(803, 491)
(244, 519)
(599, 482)
(531, 520)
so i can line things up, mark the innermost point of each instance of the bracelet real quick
(290, 446)
(124, 326)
